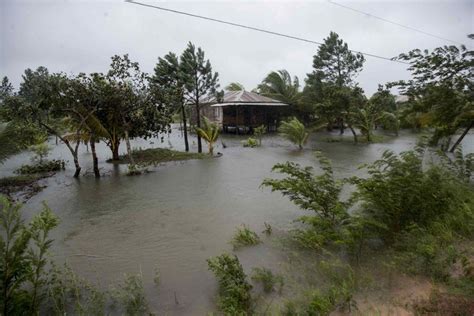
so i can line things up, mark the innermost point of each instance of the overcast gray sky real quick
(80, 36)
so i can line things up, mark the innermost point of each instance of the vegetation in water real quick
(244, 237)
(153, 156)
(42, 167)
(234, 289)
(209, 132)
(250, 142)
(268, 279)
(294, 131)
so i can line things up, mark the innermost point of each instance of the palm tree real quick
(209, 132)
(234, 86)
(280, 86)
(367, 118)
(294, 131)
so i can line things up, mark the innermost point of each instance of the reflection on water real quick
(182, 213)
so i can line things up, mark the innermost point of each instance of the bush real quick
(250, 142)
(400, 193)
(234, 289)
(319, 194)
(42, 167)
(23, 249)
(131, 295)
(244, 237)
(267, 279)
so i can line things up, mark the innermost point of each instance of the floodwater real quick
(182, 213)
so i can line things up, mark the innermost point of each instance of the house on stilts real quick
(241, 111)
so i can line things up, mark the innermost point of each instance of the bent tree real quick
(167, 85)
(442, 85)
(43, 100)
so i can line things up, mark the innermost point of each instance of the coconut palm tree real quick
(294, 131)
(209, 132)
(279, 85)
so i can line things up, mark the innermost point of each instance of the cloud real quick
(80, 36)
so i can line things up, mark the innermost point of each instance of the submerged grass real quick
(158, 155)
(244, 237)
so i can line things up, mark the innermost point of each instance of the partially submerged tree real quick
(199, 80)
(128, 109)
(167, 84)
(294, 131)
(335, 67)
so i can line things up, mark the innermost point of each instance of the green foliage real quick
(209, 132)
(234, 86)
(234, 289)
(294, 131)
(41, 151)
(440, 92)
(400, 193)
(280, 86)
(335, 63)
(317, 193)
(23, 258)
(268, 279)
(199, 80)
(131, 295)
(17, 136)
(244, 237)
(250, 142)
(70, 294)
(157, 155)
(258, 132)
(42, 167)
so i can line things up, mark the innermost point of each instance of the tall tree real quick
(167, 84)
(199, 80)
(443, 86)
(334, 67)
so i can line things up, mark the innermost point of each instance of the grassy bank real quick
(158, 155)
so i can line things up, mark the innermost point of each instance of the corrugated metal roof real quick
(244, 97)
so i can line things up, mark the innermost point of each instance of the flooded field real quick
(175, 217)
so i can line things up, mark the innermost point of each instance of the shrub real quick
(400, 193)
(317, 193)
(234, 289)
(23, 250)
(250, 142)
(245, 237)
(42, 167)
(268, 279)
(131, 295)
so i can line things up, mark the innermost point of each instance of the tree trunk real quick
(115, 149)
(129, 149)
(342, 126)
(94, 158)
(198, 123)
(76, 161)
(459, 140)
(356, 140)
(185, 128)
(211, 149)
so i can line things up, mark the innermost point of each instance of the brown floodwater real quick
(182, 213)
